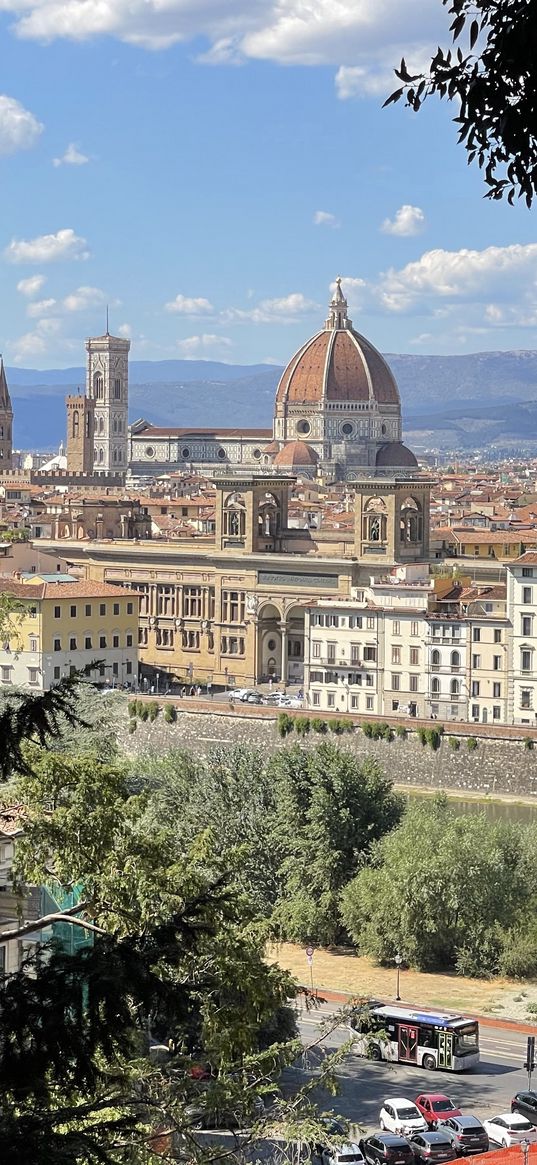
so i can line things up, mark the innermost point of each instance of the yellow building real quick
(61, 624)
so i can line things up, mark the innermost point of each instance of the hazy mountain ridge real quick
(486, 391)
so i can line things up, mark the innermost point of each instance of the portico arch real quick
(269, 641)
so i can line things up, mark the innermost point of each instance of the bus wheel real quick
(429, 1062)
(374, 1052)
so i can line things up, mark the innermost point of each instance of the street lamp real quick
(398, 960)
(525, 1146)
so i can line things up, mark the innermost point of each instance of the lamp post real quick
(525, 1146)
(398, 960)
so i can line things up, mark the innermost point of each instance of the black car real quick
(466, 1134)
(526, 1104)
(386, 1147)
(432, 1146)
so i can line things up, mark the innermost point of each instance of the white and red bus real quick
(428, 1039)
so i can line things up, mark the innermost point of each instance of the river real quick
(494, 809)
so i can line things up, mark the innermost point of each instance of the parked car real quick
(253, 698)
(526, 1104)
(343, 1154)
(399, 1115)
(386, 1148)
(466, 1134)
(435, 1106)
(335, 1127)
(432, 1146)
(240, 694)
(510, 1128)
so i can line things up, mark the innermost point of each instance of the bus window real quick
(466, 1040)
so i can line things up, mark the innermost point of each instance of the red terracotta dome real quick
(337, 364)
(296, 454)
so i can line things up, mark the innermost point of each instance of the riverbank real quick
(342, 971)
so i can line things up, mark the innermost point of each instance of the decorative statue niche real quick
(374, 521)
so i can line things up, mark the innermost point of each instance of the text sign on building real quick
(282, 579)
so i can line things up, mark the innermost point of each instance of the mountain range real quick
(492, 398)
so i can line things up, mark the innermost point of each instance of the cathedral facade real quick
(337, 412)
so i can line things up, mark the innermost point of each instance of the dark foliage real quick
(494, 83)
(40, 717)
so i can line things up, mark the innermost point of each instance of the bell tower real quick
(251, 511)
(392, 517)
(107, 385)
(6, 422)
(80, 426)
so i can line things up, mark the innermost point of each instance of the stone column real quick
(284, 646)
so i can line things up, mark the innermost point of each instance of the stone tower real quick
(108, 386)
(392, 515)
(80, 427)
(6, 422)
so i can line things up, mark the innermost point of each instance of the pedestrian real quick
(198, 691)
(183, 692)
(192, 690)
(210, 690)
(152, 689)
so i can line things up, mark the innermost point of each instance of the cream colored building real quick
(522, 611)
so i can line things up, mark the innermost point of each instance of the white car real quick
(399, 1115)
(510, 1128)
(240, 694)
(343, 1154)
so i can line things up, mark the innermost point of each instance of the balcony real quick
(336, 661)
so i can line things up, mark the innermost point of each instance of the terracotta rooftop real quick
(337, 366)
(85, 588)
(154, 431)
(296, 453)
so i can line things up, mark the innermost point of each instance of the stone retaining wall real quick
(500, 764)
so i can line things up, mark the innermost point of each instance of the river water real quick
(494, 810)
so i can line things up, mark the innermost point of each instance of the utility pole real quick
(530, 1058)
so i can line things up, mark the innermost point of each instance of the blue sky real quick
(209, 166)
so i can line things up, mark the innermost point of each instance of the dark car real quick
(466, 1134)
(386, 1147)
(335, 1127)
(526, 1104)
(432, 1146)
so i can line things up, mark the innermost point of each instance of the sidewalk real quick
(338, 974)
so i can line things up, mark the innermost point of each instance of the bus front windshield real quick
(466, 1040)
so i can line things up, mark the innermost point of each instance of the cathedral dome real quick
(337, 364)
(395, 455)
(296, 454)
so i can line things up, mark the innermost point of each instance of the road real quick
(484, 1090)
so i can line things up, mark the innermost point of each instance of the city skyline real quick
(209, 170)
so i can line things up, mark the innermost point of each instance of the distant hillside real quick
(481, 389)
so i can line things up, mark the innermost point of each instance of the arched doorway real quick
(269, 643)
(294, 636)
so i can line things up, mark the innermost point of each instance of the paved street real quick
(485, 1090)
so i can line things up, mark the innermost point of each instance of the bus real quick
(428, 1039)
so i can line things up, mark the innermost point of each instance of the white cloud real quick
(323, 218)
(284, 310)
(407, 221)
(205, 346)
(41, 307)
(35, 343)
(65, 244)
(497, 273)
(125, 330)
(19, 129)
(31, 286)
(85, 298)
(71, 157)
(366, 37)
(188, 305)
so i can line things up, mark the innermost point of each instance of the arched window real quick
(234, 516)
(101, 455)
(75, 423)
(117, 389)
(101, 425)
(455, 687)
(455, 659)
(435, 686)
(374, 521)
(435, 658)
(98, 386)
(411, 521)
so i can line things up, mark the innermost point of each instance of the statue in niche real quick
(374, 529)
(234, 522)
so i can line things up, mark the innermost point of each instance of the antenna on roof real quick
(107, 331)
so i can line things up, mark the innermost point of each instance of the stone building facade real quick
(6, 422)
(107, 385)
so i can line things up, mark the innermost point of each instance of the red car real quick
(434, 1106)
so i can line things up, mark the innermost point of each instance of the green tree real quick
(441, 890)
(330, 810)
(493, 84)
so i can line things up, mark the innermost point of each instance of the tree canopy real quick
(493, 82)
